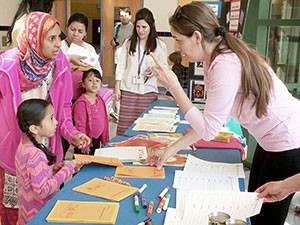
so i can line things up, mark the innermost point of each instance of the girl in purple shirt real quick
(89, 113)
(240, 84)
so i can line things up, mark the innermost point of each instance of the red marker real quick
(162, 194)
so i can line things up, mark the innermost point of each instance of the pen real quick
(162, 194)
(136, 203)
(167, 202)
(141, 189)
(148, 70)
(150, 207)
(161, 204)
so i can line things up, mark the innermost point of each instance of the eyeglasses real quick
(179, 14)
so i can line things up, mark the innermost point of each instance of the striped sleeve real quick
(43, 183)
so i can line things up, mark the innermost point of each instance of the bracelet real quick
(174, 85)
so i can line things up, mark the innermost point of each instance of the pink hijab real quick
(33, 67)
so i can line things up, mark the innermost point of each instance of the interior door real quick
(108, 7)
(58, 11)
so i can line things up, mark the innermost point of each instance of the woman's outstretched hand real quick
(164, 75)
(159, 157)
(273, 191)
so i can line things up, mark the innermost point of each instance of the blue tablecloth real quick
(127, 214)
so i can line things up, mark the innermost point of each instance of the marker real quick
(141, 189)
(145, 222)
(161, 204)
(150, 207)
(167, 202)
(144, 203)
(136, 203)
(162, 194)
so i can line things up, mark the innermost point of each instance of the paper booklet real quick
(125, 154)
(106, 189)
(140, 172)
(84, 212)
(99, 159)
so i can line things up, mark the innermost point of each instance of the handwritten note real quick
(98, 159)
(106, 189)
(140, 172)
(84, 212)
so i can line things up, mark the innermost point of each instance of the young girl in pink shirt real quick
(89, 113)
(35, 168)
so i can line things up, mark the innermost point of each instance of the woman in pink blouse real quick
(240, 84)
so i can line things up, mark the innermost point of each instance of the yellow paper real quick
(84, 212)
(140, 172)
(99, 159)
(223, 136)
(106, 189)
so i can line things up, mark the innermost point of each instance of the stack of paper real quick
(84, 212)
(158, 119)
(204, 187)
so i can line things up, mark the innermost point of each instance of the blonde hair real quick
(256, 79)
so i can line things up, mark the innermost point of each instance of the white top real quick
(127, 68)
(65, 46)
(278, 131)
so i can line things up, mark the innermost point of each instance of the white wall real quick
(7, 11)
(162, 10)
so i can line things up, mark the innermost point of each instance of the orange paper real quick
(84, 212)
(140, 172)
(99, 159)
(106, 189)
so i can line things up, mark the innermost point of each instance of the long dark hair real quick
(32, 112)
(151, 44)
(256, 79)
(26, 7)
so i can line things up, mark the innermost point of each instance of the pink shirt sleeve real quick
(222, 82)
(43, 184)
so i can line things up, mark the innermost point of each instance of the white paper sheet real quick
(125, 154)
(172, 218)
(75, 49)
(239, 205)
(212, 168)
(207, 182)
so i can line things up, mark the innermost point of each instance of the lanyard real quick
(139, 55)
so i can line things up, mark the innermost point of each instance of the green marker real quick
(136, 203)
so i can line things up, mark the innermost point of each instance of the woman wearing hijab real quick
(37, 68)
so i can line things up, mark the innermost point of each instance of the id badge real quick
(137, 80)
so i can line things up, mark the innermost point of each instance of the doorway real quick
(108, 19)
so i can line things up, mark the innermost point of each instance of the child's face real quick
(91, 83)
(48, 124)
